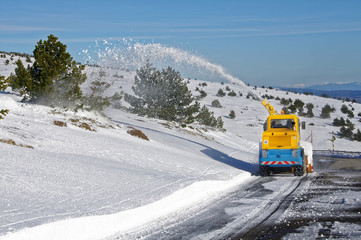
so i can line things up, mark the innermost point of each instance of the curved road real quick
(326, 203)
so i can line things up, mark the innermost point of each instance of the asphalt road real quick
(322, 205)
(327, 206)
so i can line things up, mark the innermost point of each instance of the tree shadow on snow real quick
(209, 151)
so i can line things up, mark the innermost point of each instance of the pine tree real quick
(221, 93)
(3, 86)
(206, 117)
(232, 94)
(53, 79)
(326, 111)
(299, 105)
(346, 132)
(357, 135)
(309, 107)
(95, 100)
(162, 94)
(220, 122)
(339, 122)
(232, 114)
(344, 109)
(22, 79)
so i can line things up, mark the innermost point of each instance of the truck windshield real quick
(283, 123)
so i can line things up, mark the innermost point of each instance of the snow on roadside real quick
(97, 227)
(73, 173)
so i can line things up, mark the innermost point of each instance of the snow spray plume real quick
(129, 54)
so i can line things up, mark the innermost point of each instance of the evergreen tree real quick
(220, 122)
(203, 94)
(207, 118)
(344, 109)
(350, 125)
(326, 111)
(232, 94)
(292, 108)
(22, 80)
(3, 86)
(299, 105)
(346, 132)
(95, 100)
(350, 114)
(339, 122)
(162, 94)
(357, 135)
(53, 79)
(309, 107)
(232, 114)
(221, 93)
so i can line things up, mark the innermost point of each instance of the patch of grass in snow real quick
(81, 124)
(12, 142)
(60, 123)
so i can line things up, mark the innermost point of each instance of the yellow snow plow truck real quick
(281, 147)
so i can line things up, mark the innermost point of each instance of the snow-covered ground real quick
(66, 182)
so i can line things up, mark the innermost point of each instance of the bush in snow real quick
(203, 94)
(286, 102)
(346, 132)
(221, 93)
(232, 94)
(344, 109)
(299, 106)
(3, 86)
(326, 111)
(357, 135)
(339, 122)
(232, 114)
(309, 107)
(53, 79)
(216, 103)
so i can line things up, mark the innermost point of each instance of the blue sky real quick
(270, 43)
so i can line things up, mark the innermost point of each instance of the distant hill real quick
(354, 86)
(333, 90)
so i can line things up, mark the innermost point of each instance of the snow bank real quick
(96, 227)
(6, 102)
(307, 146)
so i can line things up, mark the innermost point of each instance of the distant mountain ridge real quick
(351, 91)
(354, 86)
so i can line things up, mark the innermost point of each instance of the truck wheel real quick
(299, 171)
(264, 171)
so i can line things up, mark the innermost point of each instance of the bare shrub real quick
(60, 123)
(137, 133)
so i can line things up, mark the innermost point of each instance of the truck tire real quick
(264, 171)
(299, 170)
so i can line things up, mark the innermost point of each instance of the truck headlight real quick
(264, 153)
(294, 153)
